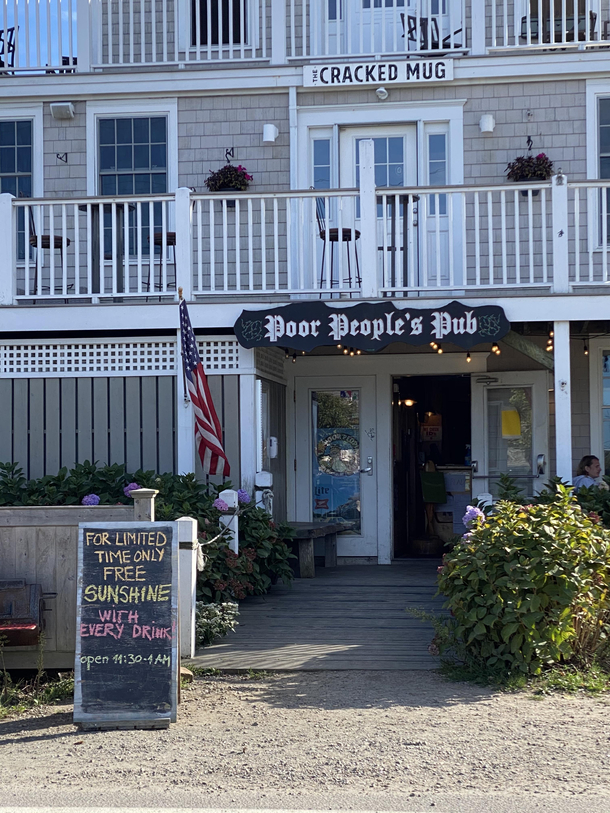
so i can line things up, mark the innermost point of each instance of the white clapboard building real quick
(381, 298)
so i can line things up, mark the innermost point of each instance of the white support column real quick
(184, 255)
(561, 268)
(477, 37)
(278, 32)
(185, 419)
(247, 431)
(230, 521)
(368, 220)
(8, 240)
(563, 401)
(84, 34)
(187, 577)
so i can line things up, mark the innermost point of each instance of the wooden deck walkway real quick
(350, 617)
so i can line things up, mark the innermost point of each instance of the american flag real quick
(208, 433)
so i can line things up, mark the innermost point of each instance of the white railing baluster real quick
(516, 210)
(530, 231)
(250, 247)
(237, 246)
(437, 234)
(138, 222)
(504, 248)
(131, 32)
(212, 246)
(64, 251)
(545, 270)
(263, 244)
(276, 244)
(225, 247)
(384, 256)
(490, 239)
(605, 234)
(577, 235)
(449, 199)
(477, 239)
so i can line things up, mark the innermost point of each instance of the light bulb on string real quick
(586, 349)
(358, 352)
(439, 349)
(345, 351)
(351, 351)
(433, 345)
(468, 357)
(294, 358)
(339, 346)
(287, 354)
(302, 352)
(495, 348)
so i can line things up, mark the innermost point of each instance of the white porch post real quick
(247, 431)
(561, 268)
(278, 32)
(368, 220)
(185, 420)
(184, 258)
(187, 574)
(563, 401)
(477, 46)
(84, 35)
(8, 234)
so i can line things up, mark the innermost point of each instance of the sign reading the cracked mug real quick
(126, 669)
(369, 326)
(404, 72)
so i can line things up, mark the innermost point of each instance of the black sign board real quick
(369, 326)
(126, 669)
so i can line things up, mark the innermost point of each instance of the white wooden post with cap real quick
(187, 581)
(230, 520)
(144, 504)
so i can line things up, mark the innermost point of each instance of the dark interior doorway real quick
(431, 424)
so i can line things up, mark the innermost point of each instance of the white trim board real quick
(33, 111)
(127, 108)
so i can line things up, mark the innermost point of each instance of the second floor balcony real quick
(537, 237)
(66, 36)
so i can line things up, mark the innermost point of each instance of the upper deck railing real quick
(549, 237)
(66, 36)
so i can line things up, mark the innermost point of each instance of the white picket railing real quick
(547, 23)
(94, 247)
(359, 27)
(38, 36)
(278, 243)
(548, 236)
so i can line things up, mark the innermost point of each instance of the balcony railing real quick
(367, 243)
(67, 36)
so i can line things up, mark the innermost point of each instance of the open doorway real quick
(431, 461)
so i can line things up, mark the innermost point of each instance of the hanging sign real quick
(404, 72)
(126, 669)
(369, 326)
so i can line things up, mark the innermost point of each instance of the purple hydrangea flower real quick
(129, 488)
(220, 504)
(472, 516)
(243, 496)
(467, 537)
(90, 499)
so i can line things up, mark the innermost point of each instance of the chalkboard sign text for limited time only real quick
(127, 624)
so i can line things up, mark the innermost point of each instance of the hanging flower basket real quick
(530, 168)
(229, 179)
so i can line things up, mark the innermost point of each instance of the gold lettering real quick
(164, 592)
(140, 573)
(89, 537)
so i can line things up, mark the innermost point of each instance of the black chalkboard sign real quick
(126, 669)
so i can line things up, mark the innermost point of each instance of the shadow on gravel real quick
(364, 690)
(23, 727)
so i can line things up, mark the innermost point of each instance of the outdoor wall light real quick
(409, 402)
(487, 123)
(270, 133)
(382, 94)
(62, 110)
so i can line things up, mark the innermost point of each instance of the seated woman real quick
(587, 473)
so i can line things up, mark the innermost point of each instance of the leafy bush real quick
(528, 587)
(214, 621)
(262, 560)
(264, 555)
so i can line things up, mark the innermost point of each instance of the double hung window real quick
(16, 168)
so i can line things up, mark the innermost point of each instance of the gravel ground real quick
(357, 736)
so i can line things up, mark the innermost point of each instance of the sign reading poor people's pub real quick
(127, 624)
(369, 326)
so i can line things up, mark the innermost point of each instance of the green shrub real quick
(214, 621)
(528, 587)
(263, 557)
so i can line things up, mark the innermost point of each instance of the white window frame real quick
(34, 113)
(315, 119)
(130, 108)
(597, 348)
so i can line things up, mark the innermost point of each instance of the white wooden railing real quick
(361, 27)
(549, 237)
(547, 23)
(41, 35)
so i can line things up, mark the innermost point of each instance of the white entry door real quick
(510, 430)
(395, 167)
(336, 460)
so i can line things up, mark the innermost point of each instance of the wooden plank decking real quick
(350, 617)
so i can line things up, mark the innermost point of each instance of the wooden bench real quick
(303, 545)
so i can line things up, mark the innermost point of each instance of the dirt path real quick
(362, 734)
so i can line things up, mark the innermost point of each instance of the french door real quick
(336, 460)
(395, 156)
(510, 430)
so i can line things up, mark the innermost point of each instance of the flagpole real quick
(186, 395)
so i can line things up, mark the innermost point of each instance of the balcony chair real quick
(46, 242)
(348, 235)
(558, 33)
(170, 240)
(7, 48)
(428, 41)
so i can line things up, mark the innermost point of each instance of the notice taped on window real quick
(126, 668)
